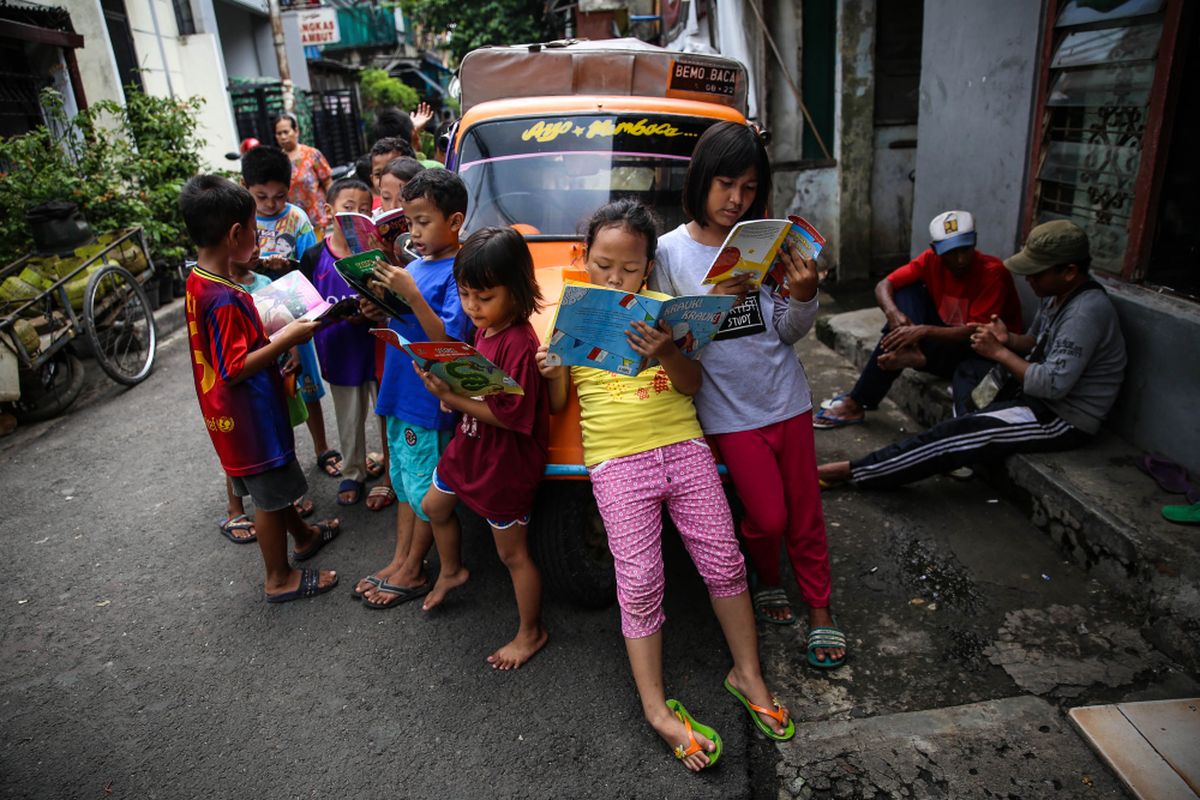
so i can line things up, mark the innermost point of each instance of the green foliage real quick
(428, 145)
(473, 25)
(122, 165)
(380, 90)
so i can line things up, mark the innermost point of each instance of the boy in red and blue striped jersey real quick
(240, 388)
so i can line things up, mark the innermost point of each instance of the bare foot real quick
(905, 357)
(443, 585)
(674, 732)
(755, 690)
(519, 650)
(821, 618)
(833, 473)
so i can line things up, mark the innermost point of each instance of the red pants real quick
(774, 470)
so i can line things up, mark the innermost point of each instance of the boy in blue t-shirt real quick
(239, 388)
(418, 429)
(284, 233)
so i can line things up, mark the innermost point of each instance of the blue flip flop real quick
(347, 485)
(238, 523)
(402, 594)
(310, 586)
(823, 420)
(327, 532)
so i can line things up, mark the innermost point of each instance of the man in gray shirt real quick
(1065, 374)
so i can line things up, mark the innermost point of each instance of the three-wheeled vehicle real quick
(549, 133)
(92, 300)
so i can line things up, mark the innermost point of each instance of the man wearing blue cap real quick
(932, 305)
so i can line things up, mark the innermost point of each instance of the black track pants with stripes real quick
(1024, 425)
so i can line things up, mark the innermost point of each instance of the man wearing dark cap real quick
(1050, 389)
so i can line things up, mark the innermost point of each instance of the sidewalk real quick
(1100, 510)
(970, 631)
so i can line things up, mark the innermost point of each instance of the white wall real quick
(892, 195)
(153, 22)
(204, 71)
(978, 74)
(97, 66)
(240, 43)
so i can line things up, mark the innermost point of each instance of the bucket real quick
(58, 227)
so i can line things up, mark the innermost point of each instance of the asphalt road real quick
(138, 659)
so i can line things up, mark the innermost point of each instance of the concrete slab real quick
(1154, 747)
(1010, 747)
(1093, 502)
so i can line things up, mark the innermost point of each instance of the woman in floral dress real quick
(311, 175)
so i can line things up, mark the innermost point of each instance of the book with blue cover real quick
(590, 325)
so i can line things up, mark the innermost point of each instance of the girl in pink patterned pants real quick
(643, 447)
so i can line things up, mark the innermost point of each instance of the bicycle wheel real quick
(48, 391)
(119, 325)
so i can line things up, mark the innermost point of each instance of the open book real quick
(462, 367)
(752, 248)
(589, 327)
(358, 270)
(364, 233)
(288, 298)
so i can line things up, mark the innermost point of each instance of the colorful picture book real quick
(752, 248)
(358, 271)
(589, 327)
(462, 367)
(364, 233)
(288, 298)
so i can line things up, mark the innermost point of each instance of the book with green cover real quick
(359, 272)
(467, 371)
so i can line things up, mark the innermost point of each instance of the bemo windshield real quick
(551, 173)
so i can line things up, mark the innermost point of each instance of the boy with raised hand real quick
(435, 202)
(240, 390)
(284, 235)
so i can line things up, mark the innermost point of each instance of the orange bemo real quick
(549, 133)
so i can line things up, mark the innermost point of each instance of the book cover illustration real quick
(752, 248)
(590, 324)
(288, 298)
(358, 271)
(465, 370)
(364, 233)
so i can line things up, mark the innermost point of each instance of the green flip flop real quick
(1188, 515)
(777, 714)
(682, 751)
(824, 638)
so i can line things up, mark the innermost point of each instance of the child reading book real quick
(765, 438)
(239, 387)
(495, 461)
(346, 351)
(643, 447)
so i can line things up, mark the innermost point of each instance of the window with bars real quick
(1105, 84)
(1094, 121)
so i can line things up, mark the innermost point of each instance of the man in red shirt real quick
(932, 305)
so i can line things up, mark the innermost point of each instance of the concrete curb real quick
(1093, 502)
(169, 318)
